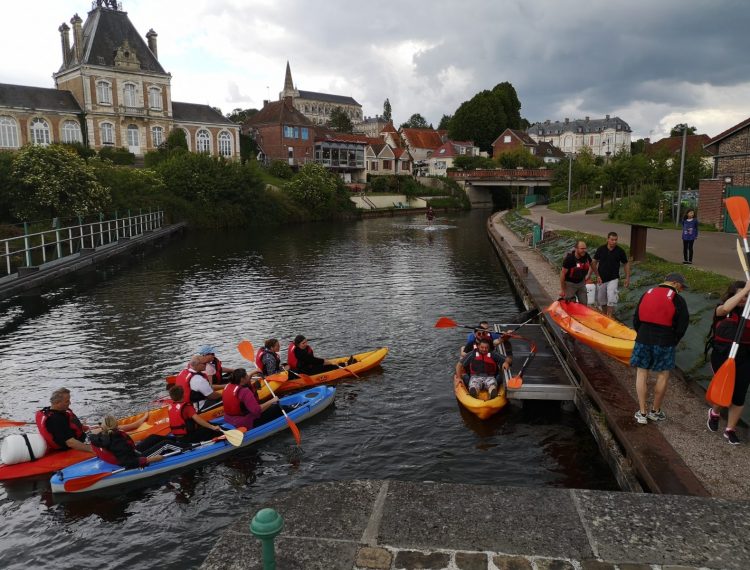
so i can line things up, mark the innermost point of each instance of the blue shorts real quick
(653, 357)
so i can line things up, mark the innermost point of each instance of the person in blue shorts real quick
(660, 320)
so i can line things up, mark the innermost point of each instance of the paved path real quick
(714, 251)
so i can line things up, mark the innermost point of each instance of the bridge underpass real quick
(502, 188)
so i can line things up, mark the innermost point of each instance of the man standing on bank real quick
(607, 260)
(660, 320)
(576, 268)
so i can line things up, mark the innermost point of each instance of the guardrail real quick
(35, 248)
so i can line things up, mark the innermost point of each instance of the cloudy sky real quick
(654, 63)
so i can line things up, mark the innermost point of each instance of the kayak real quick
(482, 406)
(365, 361)
(594, 329)
(101, 474)
(157, 423)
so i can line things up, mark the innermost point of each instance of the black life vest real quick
(578, 273)
(726, 327)
(44, 414)
(657, 306)
(483, 365)
(115, 447)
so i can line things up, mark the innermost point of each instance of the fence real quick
(35, 248)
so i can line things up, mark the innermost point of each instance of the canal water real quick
(112, 336)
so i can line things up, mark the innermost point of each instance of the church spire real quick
(289, 90)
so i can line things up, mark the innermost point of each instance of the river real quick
(113, 334)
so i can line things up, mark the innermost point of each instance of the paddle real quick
(448, 323)
(743, 260)
(515, 382)
(534, 313)
(234, 436)
(347, 369)
(292, 426)
(13, 423)
(246, 350)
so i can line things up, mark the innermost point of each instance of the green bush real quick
(121, 156)
(378, 184)
(281, 169)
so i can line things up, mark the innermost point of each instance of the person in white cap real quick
(214, 368)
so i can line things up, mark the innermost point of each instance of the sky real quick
(653, 63)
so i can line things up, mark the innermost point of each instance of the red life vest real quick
(259, 360)
(217, 364)
(726, 327)
(657, 306)
(105, 454)
(183, 380)
(483, 365)
(578, 272)
(231, 399)
(291, 358)
(44, 414)
(177, 422)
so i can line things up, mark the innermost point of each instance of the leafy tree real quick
(677, 130)
(340, 121)
(466, 162)
(638, 147)
(506, 94)
(7, 182)
(318, 190)
(53, 182)
(518, 157)
(281, 169)
(239, 116)
(176, 139)
(445, 122)
(416, 121)
(387, 110)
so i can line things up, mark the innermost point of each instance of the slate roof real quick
(547, 149)
(38, 98)
(277, 113)
(194, 113)
(105, 30)
(422, 138)
(340, 99)
(694, 144)
(329, 135)
(586, 126)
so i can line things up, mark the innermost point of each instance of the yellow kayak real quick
(482, 406)
(594, 329)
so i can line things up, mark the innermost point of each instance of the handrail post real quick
(58, 241)
(27, 243)
(80, 230)
(7, 254)
(130, 225)
(117, 229)
(101, 228)
(266, 525)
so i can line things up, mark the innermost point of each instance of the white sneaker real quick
(641, 418)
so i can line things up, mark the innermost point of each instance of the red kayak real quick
(53, 461)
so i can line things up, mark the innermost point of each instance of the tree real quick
(239, 116)
(176, 139)
(677, 130)
(518, 157)
(466, 162)
(508, 98)
(317, 189)
(54, 181)
(387, 110)
(416, 121)
(445, 122)
(340, 121)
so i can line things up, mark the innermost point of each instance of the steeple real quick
(289, 90)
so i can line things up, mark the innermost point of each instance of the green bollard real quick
(266, 525)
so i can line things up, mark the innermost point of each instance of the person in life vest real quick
(195, 384)
(241, 405)
(267, 359)
(113, 445)
(726, 320)
(482, 367)
(430, 214)
(184, 422)
(481, 331)
(214, 368)
(59, 426)
(301, 358)
(660, 320)
(576, 268)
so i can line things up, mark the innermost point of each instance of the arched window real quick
(71, 132)
(129, 95)
(134, 138)
(154, 98)
(203, 141)
(107, 131)
(8, 133)
(39, 132)
(225, 144)
(157, 136)
(104, 92)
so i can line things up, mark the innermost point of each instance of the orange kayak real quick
(594, 329)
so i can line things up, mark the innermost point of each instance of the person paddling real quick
(302, 359)
(482, 368)
(195, 384)
(184, 422)
(241, 405)
(267, 360)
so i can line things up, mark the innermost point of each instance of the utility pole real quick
(570, 172)
(682, 172)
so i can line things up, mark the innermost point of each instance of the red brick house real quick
(512, 139)
(282, 133)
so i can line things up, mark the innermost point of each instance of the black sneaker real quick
(473, 392)
(713, 420)
(731, 436)
(493, 393)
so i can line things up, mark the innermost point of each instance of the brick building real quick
(281, 133)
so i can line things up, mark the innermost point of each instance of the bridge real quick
(479, 183)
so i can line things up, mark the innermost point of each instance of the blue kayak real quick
(93, 474)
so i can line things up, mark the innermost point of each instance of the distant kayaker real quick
(184, 422)
(241, 405)
(301, 358)
(115, 446)
(267, 360)
(482, 367)
(196, 385)
(607, 261)
(214, 368)
(59, 426)
(430, 214)
(576, 268)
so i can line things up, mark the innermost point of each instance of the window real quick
(374, 165)
(154, 98)
(39, 132)
(157, 136)
(203, 141)
(103, 93)
(134, 138)
(129, 95)
(289, 132)
(506, 139)
(387, 165)
(71, 132)
(225, 144)
(305, 133)
(8, 133)
(107, 132)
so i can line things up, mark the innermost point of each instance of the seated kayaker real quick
(115, 446)
(483, 332)
(196, 385)
(267, 360)
(59, 426)
(214, 368)
(184, 422)
(484, 368)
(241, 405)
(301, 358)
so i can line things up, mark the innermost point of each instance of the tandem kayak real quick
(364, 361)
(594, 329)
(157, 423)
(299, 407)
(482, 406)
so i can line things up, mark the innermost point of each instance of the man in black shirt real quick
(576, 268)
(607, 260)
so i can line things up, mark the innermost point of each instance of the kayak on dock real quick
(93, 474)
(592, 328)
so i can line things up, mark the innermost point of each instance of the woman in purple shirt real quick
(689, 235)
(241, 406)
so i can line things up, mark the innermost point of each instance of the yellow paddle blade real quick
(234, 436)
(722, 384)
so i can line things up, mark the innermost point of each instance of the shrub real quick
(121, 156)
(281, 169)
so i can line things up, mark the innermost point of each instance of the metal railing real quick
(34, 248)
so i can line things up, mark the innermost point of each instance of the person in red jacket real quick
(185, 423)
(59, 426)
(241, 405)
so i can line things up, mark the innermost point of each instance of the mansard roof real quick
(277, 113)
(548, 149)
(38, 98)
(585, 125)
(328, 98)
(104, 31)
(195, 113)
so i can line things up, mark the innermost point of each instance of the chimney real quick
(567, 120)
(151, 38)
(77, 37)
(65, 39)
(606, 117)
(265, 102)
(587, 118)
